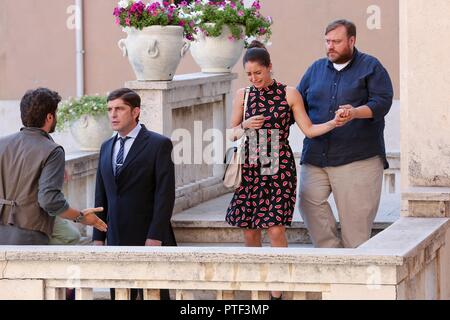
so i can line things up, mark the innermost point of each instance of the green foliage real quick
(210, 17)
(73, 108)
(137, 14)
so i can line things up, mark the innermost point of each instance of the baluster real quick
(84, 294)
(123, 294)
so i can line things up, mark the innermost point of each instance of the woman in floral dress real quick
(267, 195)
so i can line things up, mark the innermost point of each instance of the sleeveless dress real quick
(267, 194)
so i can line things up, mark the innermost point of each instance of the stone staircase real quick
(204, 224)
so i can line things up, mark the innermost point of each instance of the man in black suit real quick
(135, 181)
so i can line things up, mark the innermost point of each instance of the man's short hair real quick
(349, 26)
(130, 97)
(36, 105)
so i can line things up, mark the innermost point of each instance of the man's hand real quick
(152, 243)
(345, 114)
(91, 219)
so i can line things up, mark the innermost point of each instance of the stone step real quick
(205, 223)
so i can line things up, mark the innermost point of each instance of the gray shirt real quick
(50, 196)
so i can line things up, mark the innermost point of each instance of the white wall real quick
(10, 123)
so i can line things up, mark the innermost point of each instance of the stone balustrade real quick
(81, 169)
(409, 260)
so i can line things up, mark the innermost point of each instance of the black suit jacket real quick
(138, 203)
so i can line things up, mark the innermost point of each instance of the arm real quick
(164, 194)
(237, 115)
(380, 90)
(101, 200)
(52, 200)
(301, 117)
(303, 86)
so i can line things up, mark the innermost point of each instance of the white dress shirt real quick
(128, 143)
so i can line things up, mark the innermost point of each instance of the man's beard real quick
(343, 58)
(53, 127)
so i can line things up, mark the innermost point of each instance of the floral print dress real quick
(267, 193)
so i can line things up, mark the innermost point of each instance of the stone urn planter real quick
(91, 131)
(217, 54)
(154, 52)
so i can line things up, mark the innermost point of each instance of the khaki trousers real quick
(356, 189)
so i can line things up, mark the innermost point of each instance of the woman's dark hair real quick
(36, 105)
(257, 52)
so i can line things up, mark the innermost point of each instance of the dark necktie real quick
(119, 158)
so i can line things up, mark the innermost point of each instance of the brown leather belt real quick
(13, 204)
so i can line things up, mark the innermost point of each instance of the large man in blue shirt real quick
(348, 161)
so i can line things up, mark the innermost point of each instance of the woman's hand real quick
(343, 116)
(255, 122)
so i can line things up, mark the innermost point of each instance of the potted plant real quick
(223, 29)
(87, 119)
(157, 37)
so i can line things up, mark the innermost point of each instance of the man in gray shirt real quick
(32, 176)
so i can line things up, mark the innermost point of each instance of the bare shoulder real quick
(292, 96)
(240, 92)
(291, 91)
(239, 97)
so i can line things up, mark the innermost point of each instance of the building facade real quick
(38, 42)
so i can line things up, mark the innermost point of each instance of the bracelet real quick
(79, 218)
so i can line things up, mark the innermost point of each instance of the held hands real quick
(91, 219)
(255, 122)
(345, 114)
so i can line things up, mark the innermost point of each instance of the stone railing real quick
(391, 180)
(79, 186)
(191, 110)
(409, 260)
(81, 169)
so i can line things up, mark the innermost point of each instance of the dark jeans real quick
(138, 294)
(14, 236)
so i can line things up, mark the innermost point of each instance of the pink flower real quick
(256, 5)
(117, 11)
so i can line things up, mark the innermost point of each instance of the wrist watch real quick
(79, 218)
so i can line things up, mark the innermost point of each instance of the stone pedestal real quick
(425, 118)
(187, 110)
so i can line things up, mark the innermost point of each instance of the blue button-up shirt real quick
(363, 82)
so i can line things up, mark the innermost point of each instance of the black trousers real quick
(138, 294)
